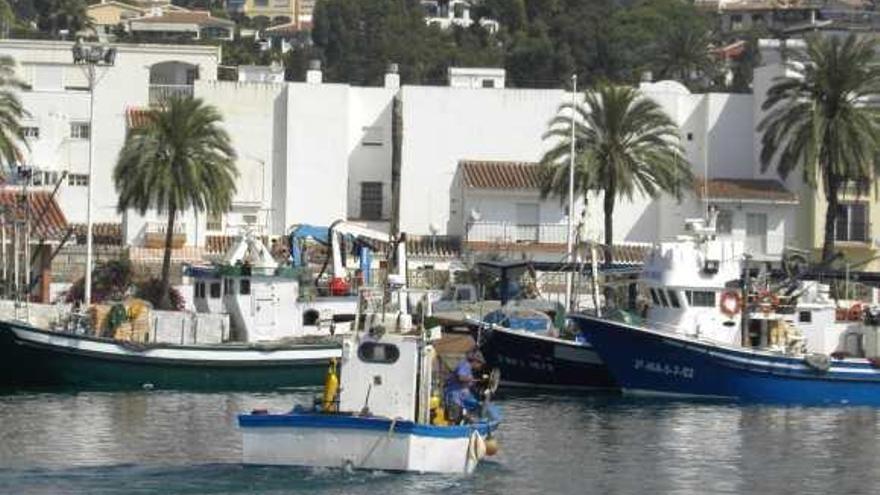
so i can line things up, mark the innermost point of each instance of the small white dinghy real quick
(386, 415)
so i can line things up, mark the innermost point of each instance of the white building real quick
(314, 152)
(448, 13)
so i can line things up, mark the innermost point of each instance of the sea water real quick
(171, 442)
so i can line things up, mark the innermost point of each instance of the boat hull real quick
(343, 441)
(529, 360)
(646, 362)
(38, 358)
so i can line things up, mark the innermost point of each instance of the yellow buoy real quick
(331, 386)
(438, 416)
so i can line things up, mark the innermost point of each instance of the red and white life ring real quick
(855, 312)
(731, 303)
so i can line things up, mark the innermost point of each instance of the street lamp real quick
(91, 58)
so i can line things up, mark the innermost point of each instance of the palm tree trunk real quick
(832, 188)
(610, 298)
(164, 296)
(609, 225)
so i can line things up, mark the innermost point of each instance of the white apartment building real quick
(315, 152)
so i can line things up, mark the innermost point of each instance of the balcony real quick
(505, 233)
(159, 93)
(154, 235)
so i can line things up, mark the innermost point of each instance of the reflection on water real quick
(164, 442)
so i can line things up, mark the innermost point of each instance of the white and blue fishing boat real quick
(384, 414)
(703, 338)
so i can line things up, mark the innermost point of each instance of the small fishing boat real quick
(526, 347)
(385, 414)
(37, 357)
(532, 350)
(250, 330)
(713, 332)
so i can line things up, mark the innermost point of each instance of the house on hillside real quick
(195, 25)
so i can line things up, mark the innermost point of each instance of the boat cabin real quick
(389, 376)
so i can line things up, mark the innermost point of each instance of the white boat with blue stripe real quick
(386, 415)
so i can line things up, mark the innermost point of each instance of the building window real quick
(77, 180)
(724, 222)
(698, 298)
(488, 83)
(371, 200)
(31, 132)
(79, 130)
(805, 317)
(373, 135)
(663, 301)
(673, 299)
(852, 222)
(736, 21)
(214, 222)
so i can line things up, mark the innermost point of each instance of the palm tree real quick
(624, 144)
(181, 158)
(11, 114)
(818, 121)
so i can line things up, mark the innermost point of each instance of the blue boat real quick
(651, 362)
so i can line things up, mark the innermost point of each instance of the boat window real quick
(228, 286)
(464, 294)
(654, 297)
(673, 299)
(374, 352)
(200, 290)
(244, 286)
(215, 290)
(700, 298)
(805, 316)
(663, 301)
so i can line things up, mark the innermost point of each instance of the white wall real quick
(315, 185)
(444, 125)
(369, 112)
(122, 86)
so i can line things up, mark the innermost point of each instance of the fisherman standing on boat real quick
(460, 399)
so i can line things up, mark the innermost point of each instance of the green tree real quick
(11, 114)
(818, 119)
(55, 15)
(181, 158)
(624, 144)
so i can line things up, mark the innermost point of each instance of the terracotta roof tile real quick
(137, 117)
(187, 17)
(47, 219)
(500, 175)
(745, 190)
(103, 234)
(440, 246)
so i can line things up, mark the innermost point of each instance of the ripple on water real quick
(167, 442)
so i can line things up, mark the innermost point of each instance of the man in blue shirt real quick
(459, 398)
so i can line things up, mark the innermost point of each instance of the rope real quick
(376, 444)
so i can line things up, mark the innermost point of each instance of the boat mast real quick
(569, 275)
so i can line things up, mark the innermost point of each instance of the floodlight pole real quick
(569, 275)
(86, 56)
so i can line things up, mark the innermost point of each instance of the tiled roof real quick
(426, 246)
(188, 17)
(745, 190)
(46, 218)
(103, 234)
(500, 175)
(137, 117)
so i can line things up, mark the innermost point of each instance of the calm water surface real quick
(163, 442)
